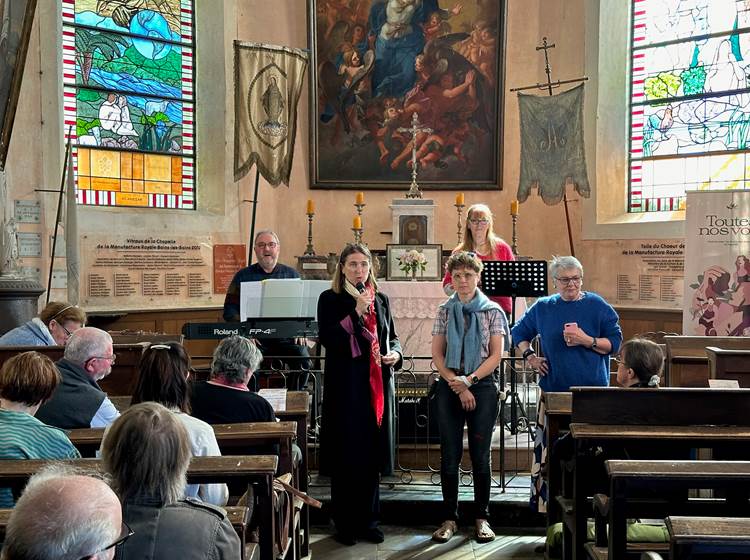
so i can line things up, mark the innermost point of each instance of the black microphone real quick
(360, 287)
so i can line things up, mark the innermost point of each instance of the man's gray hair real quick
(49, 523)
(560, 263)
(86, 343)
(268, 232)
(233, 356)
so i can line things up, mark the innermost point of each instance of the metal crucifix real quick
(415, 129)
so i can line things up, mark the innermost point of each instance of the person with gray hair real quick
(79, 402)
(225, 398)
(146, 453)
(63, 514)
(577, 330)
(295, 355)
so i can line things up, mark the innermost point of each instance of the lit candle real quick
(360, 198)
(310, 206)
(357, 223)
(459, 199)
(514, 208)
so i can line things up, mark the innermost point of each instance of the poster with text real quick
(717, 269)
(146, 272)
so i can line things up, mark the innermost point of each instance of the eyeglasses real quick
(482, 222)
(125, 533)
(619, 361)
(111, 358)
(569, 280)
(271, 245)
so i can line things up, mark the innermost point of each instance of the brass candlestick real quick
(359, 208)
(514, 237)
(358, 234)
(459, 231)
(309, 249)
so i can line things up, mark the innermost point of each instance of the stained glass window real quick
(690, 100)
(128, 101)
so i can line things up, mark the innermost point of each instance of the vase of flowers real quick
(412, 261)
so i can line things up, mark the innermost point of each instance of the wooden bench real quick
(672, 419)
(557, 417)
(297, 410)
(255, 470)
(233, 439)
(722, 537)
(122, 379)
(633, 484)
(239, 517)
(687, 363)
(724, 363)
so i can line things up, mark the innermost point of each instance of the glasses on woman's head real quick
(569, 280)
(125, 533)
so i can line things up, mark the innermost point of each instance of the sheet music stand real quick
(515, 279)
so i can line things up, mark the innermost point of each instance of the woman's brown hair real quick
(62, 311)
(29, 378)
(162, 376)
(337, 284)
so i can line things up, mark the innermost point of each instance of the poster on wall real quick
(717, 269)
(148, 272)
(642, 273)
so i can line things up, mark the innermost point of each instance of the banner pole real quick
(252, 222)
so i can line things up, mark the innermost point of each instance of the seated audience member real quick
(164, 370)
(26, 381)
(64, 514)
(640, 363)
(146, 452)
(225, 397)
(78, 402)
(53, 327)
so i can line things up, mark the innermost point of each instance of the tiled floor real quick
(414, 543)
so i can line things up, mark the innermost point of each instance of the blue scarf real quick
(467, 339)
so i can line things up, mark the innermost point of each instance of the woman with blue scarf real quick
(467, 343)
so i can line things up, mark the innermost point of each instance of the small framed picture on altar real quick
(414, 262)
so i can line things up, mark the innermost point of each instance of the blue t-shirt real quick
(570, 366)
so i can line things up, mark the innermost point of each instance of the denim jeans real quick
(481, 421)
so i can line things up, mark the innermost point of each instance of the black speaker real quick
(416, 415)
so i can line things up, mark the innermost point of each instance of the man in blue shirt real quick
(267, 248)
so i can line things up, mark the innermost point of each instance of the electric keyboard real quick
(259, 327)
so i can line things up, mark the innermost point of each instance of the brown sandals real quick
(445, 532)
(485, 533)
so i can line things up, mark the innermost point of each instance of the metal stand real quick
(515, 279)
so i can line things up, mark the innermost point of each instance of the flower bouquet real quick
(411, 261)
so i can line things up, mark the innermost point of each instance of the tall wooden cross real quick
(415, 129)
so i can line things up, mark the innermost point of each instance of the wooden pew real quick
(723, 537)
(233, 439)
(687, 363)
(557, 418)
(124, 374)
(297, 410)
(634, 484)
(724, 363)
(237, 515)
(672, 418)
(254, 470)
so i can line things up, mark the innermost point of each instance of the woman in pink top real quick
(479, 238)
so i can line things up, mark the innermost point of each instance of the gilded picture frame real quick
(442, 60)
(396, 269)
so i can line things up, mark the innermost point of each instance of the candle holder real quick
(359, 208)
(514, 237)
(459, 228)
(358, 234)
(309, 249)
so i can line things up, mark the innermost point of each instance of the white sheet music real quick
(250, 295)
(289, 297)
(277, 398)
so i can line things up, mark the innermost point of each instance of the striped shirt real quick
(24, 437)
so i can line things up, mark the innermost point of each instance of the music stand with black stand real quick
(515, 279)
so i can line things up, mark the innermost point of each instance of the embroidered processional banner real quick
(552, 149)
(267, 85)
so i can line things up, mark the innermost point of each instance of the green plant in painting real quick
(156, 135)
(88, 42)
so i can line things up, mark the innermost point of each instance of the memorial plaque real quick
(59, 279)
(228, 259)
(27, 211)
(29, 244)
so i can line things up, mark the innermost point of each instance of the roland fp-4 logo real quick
(226, 332)
(251, 332)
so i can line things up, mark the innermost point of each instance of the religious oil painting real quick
(129, 107)
(378, 63)
(16, 17)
